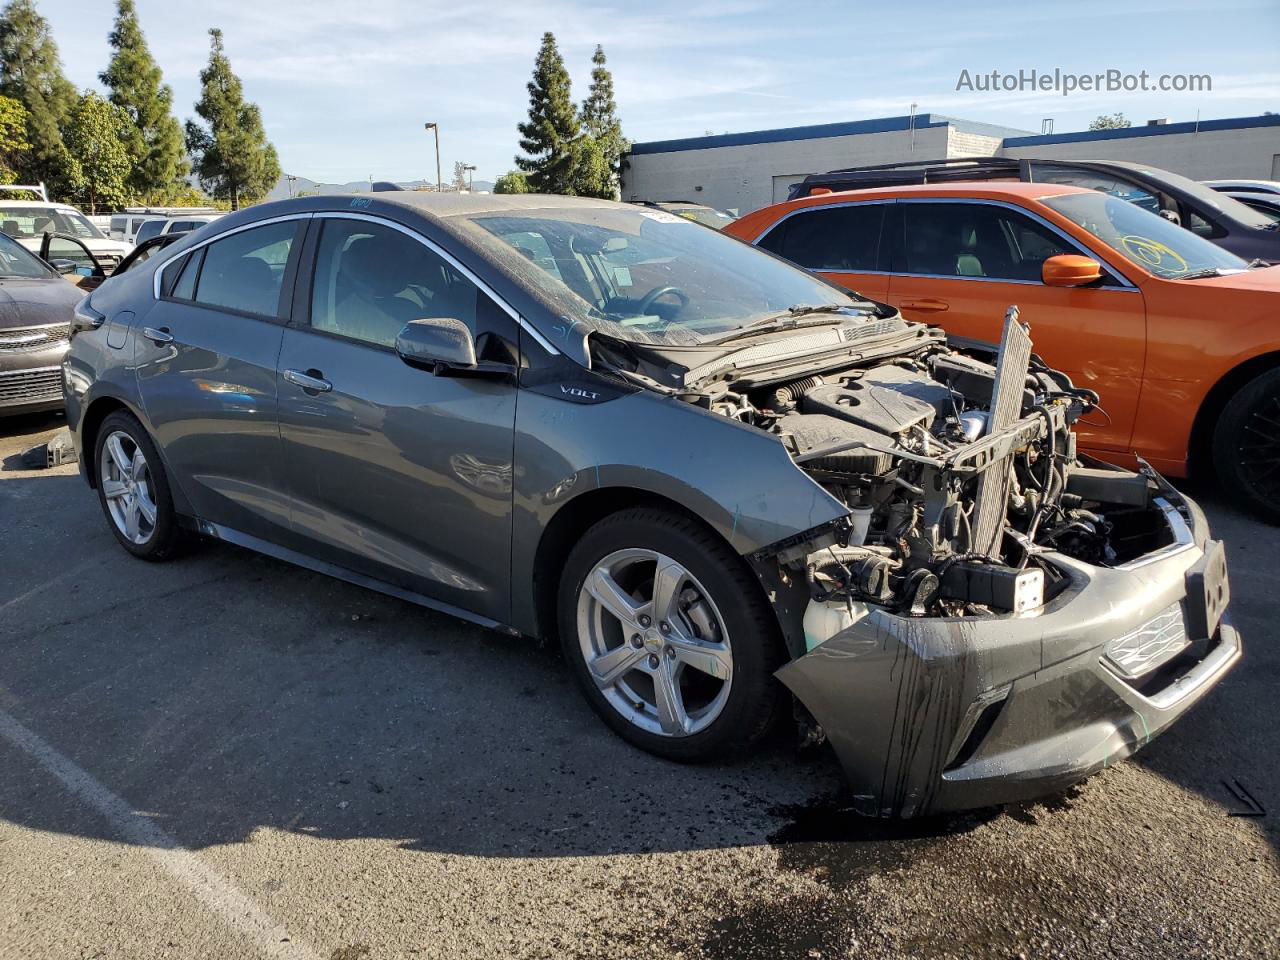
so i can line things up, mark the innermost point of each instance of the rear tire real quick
(1246, 446)
(686, 670)
(133, 490)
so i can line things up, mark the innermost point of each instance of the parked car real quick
(1202, 210)
(183, 224)
(144, 251)
(27, 221)
(1245, 186)
(719, 468)
(697, 212)
(125, 225)
(1267, 204)
(35, 327)
(1177, 335)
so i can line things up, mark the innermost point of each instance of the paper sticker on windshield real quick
(662, 216)
(622, 276)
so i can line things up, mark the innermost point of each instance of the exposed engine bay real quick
(958, 466)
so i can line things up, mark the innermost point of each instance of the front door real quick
(959, 265)
(206, 364)
(397, 473)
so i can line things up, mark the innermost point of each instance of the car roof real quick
(984, 189)
(445, 205)
(38, 203)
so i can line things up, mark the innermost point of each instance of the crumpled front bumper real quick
(935, 714)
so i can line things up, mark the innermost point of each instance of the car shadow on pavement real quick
(228, 692)
(1227, 740)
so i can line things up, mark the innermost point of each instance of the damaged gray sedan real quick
(702, 469)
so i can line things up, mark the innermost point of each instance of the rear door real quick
(206, 364)
(842, 241)
(960, 264)
(395, 472)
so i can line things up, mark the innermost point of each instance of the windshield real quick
(149, 229)
(648, 275)
(27, 223)
(16, 261)
(1150, 241)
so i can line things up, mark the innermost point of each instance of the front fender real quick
(737, 479)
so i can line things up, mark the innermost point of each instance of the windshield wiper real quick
(1202, 274)
(791, 320)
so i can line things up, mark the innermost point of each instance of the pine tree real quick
(153, 136)
(232, 156)
(31, 73)
(96, 137)
(601, 159)
(550, 137)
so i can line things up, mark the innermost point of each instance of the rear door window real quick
(245, 271)
(842, 239)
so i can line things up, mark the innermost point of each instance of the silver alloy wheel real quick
(126, 487)
(654, 643)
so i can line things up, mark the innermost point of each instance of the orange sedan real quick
(1179, 337)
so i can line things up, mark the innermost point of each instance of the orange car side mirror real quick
(1069, 270)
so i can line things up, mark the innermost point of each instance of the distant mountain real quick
(303, 185)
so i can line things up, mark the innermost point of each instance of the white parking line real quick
(214, 891)
(40, 587)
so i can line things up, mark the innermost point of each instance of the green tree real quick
(600, 159)
(96, 138)
(550, 137)
(231, 153)
(153, 136)
(512, 182)
(31, 73)
(1112, 121)
(13, 138)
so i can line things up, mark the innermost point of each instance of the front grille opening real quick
(1137, 532)
(981, 727)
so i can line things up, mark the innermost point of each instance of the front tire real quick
(1246, 446)
(669, 636)
(133, 490)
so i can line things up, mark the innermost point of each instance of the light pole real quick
(435, 128)
(292, 180)
(471, 169)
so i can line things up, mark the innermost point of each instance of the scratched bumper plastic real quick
(929, 715)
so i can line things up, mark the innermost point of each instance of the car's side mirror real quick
(446, 347)
(64, 267)
(1069, 270)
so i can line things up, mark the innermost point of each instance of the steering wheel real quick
(657, 293)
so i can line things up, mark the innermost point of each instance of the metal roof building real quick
(745, 171)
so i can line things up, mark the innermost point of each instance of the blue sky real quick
(346, 86)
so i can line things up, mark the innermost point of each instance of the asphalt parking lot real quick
(227, 756)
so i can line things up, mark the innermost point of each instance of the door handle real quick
(157, 336)
(927, 305)
(311, 380)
